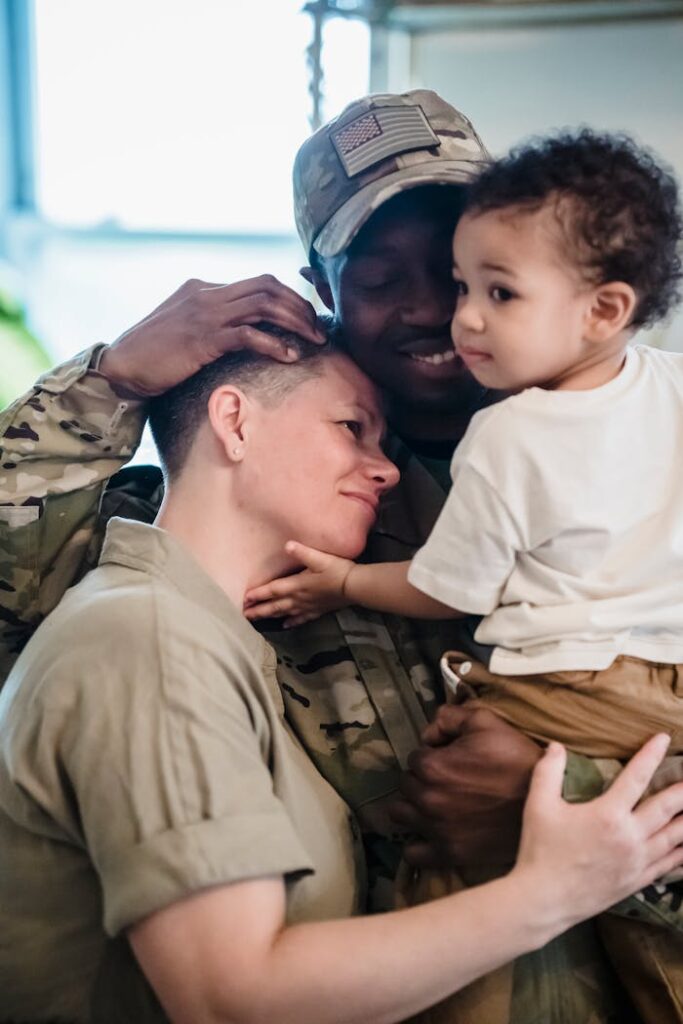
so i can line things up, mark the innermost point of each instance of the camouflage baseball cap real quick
(379, 146)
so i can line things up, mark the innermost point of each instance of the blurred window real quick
(177, 115)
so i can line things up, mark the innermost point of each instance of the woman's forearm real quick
(226, 955)
(370, 970)
(384, 969)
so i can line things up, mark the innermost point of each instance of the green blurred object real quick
(22, 357)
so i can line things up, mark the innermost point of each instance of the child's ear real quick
(610, 311)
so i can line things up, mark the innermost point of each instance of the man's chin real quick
(459, 395)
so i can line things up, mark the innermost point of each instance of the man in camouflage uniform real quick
(377, 193)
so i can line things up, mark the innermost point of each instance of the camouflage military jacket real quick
(358, 687)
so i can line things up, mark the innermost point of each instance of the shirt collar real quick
(155, 551)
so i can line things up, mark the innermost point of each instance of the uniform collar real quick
(154, 551)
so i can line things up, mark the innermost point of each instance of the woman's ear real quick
(321, 285)
(229, 410)
(611, 311)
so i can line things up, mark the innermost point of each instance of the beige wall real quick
(513, 82)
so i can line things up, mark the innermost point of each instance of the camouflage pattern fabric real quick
(574, 977)
(397, 142)
(568, 981)
(59, 445)
(357, 687)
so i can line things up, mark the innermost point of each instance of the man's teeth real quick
(436, 358)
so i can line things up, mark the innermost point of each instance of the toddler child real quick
(563, 529)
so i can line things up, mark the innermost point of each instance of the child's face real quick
(522, 308)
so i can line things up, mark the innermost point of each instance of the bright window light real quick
(180, 115)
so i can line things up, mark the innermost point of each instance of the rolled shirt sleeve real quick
(167, 760)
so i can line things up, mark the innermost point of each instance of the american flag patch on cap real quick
(382, 132)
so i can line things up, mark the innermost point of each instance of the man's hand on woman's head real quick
(201, 322)
(464, 792)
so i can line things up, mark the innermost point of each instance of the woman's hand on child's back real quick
(318, 588)
(586, 857)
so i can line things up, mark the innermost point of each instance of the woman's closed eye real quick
(354, 426)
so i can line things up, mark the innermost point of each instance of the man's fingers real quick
(264, 298)
(405, 816)
(260, 308)
(422, 855)
(425, 800)
(247, 286)
(237, 289)
(237, 339)
(411, 789)
(448, 723)
(632, 782)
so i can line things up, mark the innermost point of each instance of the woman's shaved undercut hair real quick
(176, 416)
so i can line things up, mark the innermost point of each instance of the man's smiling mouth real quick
(434, 358)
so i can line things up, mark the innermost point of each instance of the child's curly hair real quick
(618, 209)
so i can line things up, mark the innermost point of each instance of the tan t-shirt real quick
(144, 756)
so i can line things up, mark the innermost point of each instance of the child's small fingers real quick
(257, 594)
(275, 590)
(299, 620)
(270, 609)
(255, 612)
(313, 559)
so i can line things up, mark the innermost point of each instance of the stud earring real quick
(237, 451)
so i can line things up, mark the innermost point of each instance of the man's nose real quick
(429, 301)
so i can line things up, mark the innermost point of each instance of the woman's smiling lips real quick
(369, 501)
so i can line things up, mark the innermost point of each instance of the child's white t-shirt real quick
(564, 526)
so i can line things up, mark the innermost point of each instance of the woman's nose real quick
(384, 472)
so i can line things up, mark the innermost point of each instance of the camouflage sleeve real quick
(59, 444)
(586, 777)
